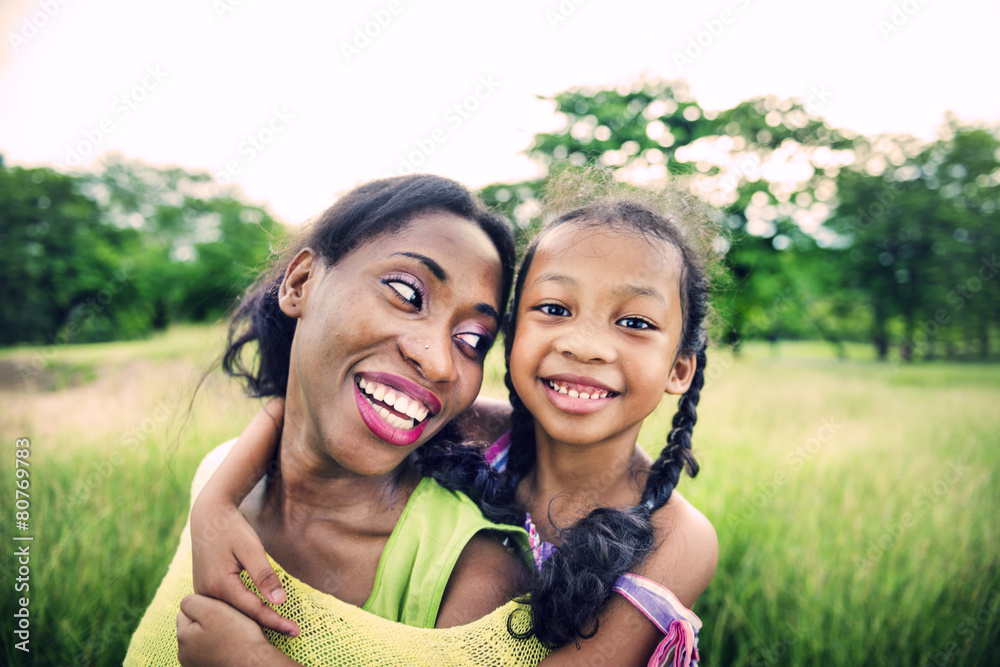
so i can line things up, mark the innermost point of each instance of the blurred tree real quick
(741, 160)
(830, 234)
(121, 252)
(58, 261)
(920, 223)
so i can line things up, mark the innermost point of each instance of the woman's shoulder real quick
(687, 550)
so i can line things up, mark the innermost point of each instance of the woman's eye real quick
(479, 343)
(407, 292)
(635, 323)
(554, 310)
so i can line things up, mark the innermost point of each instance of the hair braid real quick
(521, 455)
(676, 456)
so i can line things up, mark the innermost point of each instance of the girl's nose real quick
(587, 344)
(431, 354)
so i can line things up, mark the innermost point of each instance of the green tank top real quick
(422, 550)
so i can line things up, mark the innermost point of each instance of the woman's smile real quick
(394, 408)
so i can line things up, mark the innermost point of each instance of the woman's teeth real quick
(593, 393)
(395, 399)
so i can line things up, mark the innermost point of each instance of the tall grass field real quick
(856, 502)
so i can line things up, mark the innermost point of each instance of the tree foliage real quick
(831, 234)
(120, 253)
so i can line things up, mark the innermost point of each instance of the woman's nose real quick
(431, 354)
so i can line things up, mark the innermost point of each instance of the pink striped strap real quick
(680, 625)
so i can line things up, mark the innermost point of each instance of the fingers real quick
(183, 623)
(194, 607)
(251, 556)
(241, 598)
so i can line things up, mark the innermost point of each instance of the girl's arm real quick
(223, 542)
(210, 633)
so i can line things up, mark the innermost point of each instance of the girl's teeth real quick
(402, 404)
(411, 409)
(573, 393)
(390, 399)
(362, 383)
(379, 393)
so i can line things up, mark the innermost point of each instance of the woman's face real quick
(390, 341)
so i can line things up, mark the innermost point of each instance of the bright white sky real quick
(199, 77)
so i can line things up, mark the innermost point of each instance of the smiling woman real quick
(374, 330)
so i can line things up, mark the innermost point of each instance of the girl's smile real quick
(579, 395)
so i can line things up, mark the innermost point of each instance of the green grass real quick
(856, 503)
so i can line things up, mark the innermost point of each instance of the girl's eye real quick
(635, 323)
(478, 343)
(554, 310)
(407, 292)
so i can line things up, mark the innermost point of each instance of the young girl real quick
(608, 315)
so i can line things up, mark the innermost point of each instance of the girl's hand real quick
(229, 545)
(222, 541)
(211, 633)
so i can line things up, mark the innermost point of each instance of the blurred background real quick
(152, 157)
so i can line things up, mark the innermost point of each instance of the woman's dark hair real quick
(577, 580)
(370, 210)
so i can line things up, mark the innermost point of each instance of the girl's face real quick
(390, 341)
(598, 326)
